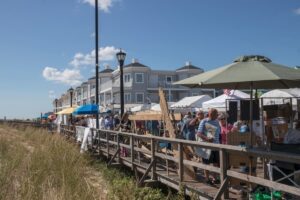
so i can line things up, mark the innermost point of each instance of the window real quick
(139, 97)
(168, 79)
(169, 97)
(139, 77)
(127, 78)
(127, 97)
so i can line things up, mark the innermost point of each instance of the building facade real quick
(141, 85)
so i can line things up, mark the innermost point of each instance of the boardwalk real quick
(143, 155)
(153, 164)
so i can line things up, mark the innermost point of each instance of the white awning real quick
(191, 102)
(220, 101)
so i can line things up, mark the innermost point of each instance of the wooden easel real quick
(189, 172)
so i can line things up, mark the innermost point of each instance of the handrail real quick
(225, 151)
(113, 144)
(230, 148)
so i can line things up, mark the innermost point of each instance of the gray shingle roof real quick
(106, 71)
(186, 67)
(135, 64)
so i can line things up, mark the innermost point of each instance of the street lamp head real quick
(121, 57)
(71, 90)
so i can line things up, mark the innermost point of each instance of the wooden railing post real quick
(132, 151)
(154, 175)
(180, 161)
(118, 148)
(98, 137)
(223, 174)
(107, 144)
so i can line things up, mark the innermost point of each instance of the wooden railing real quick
(112, 143)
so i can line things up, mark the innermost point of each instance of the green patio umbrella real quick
(244, 71)
(247, 72)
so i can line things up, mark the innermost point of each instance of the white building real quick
(141, 85)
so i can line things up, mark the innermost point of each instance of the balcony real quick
(163, 84)
(93, 92)
(106, 85)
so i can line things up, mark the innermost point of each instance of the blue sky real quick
(47, 45)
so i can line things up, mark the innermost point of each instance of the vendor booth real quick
(251, 72)
(220, 101)
(282, 96)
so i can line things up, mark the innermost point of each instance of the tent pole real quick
(251, 113)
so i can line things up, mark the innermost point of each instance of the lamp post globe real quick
(121, 58)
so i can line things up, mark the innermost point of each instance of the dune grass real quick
(37, 165)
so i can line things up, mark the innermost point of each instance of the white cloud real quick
(297, 11)
(104, 5)
(67, 76)
(51, 94)
(105, 54)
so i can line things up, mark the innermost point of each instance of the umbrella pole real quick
(251, 113)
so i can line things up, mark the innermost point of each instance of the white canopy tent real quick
(142, 107)
(281, 96)
(191, 102)
(156, 107)
(220, 101)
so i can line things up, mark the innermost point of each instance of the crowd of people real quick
(106, 122)
(205, 127)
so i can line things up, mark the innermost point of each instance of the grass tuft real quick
(36, 165)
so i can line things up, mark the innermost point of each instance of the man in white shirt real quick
(101, 123)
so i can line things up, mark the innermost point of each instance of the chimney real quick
(134, 60)
(188, 63)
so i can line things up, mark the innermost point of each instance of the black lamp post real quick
(97, 61)
(121, 58)
(56, 100)
(71, 90)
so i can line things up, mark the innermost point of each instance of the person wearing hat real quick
(193, 124)
(197, 119)
(225, 127)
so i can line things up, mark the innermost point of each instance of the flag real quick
(227, 92)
